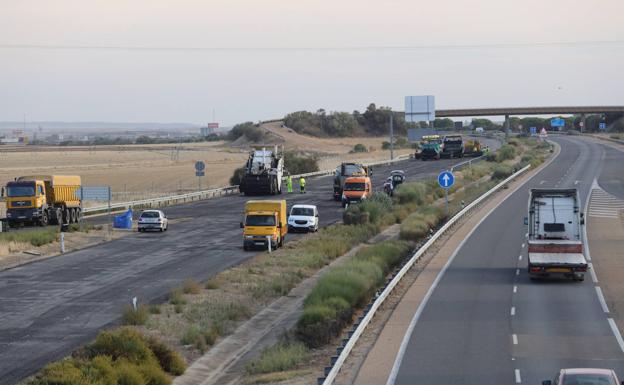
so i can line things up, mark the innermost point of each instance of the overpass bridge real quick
(507, 112)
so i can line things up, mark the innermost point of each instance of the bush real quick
(359, 148)
(278, 358)
(212, 284)
(190, 286)
(191, 335)
(298, 164)
(501, 171)
(176, 298)
(369, 211)
(411, 193)
(125, 343)
(128, 374)
(237, 176)
(249, 131)
(506, 152)
(418, 225)
(154, 375)
(131, 316)
(169, 359)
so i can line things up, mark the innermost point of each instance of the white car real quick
(153, 220)
(303, 218)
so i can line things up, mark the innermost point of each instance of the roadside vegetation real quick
(34, 237)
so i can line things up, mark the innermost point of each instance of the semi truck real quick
(264, 171)
(42, 200)
(346, 170)
(452, 146)
(264, 222)
(555, 244)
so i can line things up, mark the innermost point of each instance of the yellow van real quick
(264, 220)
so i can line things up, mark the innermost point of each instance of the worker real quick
(289, 183)
(302, 183)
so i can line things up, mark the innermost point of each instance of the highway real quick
(486, 322)
(49, 308)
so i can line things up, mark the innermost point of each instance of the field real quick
(139, 171)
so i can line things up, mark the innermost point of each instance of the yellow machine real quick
(43, 199)
(264, 220)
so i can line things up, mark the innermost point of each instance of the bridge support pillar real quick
(583, 122)
(507, 125)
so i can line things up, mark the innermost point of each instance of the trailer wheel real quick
(67, 215)
(44, 219)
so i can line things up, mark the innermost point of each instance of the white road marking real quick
(514, 337)
(576, 182)
(520, 257)
(513, 310)
(515, 290)
(518, 378)
(602, 204)
(523, 244)
(616, 333)
(542, 182)
(603, 303)
(517, 271)
(592, 272)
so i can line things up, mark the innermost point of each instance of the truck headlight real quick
(248, 236)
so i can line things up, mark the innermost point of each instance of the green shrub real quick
(128, 374)
(176, 298)
(212, 284)
(278, 358)
(359, 148)
(190, 286)
(131, 316)
(154, 309)
(125, 343)
(191, 335)
(298, 164)
(249, 131)
(61, 373)
(418, 225)
(501, 171)
(101, 371)
(154, 375)
(169, 359)
(506, 152)
(411, 193)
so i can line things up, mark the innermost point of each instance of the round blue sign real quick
(446, 179)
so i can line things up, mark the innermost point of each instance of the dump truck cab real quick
(25, 200)
(264, 222)
(430, 147)
(356, 189)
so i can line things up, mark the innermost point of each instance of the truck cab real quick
(25, 201)
(452, 146)
(264, 222)
(430, 147)
(356, 189)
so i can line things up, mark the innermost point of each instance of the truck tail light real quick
(582, 268)
(536, 269)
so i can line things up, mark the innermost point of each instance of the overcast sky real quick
(83, 60)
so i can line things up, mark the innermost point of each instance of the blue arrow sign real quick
(602, 126)
(446, 179)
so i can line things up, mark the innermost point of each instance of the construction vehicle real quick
(430, 147)
(356, 189)
(263, 173)
(472, 147)
(555, 244)
(452, 146)
(346, 170)
(265, 221)
(42, 200)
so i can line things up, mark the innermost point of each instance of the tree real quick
(445, 123)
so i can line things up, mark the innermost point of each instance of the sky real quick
(249, 60)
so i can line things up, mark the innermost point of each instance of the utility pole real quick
(391, 136)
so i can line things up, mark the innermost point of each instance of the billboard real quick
(419, 108)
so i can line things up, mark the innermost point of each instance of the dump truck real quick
(452, 146)
(430, 147)
(264, 222)
(346, 170)
(263, 173)
(42, 200)
(555, 244)
(356, 189)
(472, 147)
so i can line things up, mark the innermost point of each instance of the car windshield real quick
(303, 211)
(354, 186)
(260, 220)
(588, 379)
(26, 190)
(150, 214)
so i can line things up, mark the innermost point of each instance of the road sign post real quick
(446, 180)
(200, 168)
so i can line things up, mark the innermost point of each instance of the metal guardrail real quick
(346, 350)
(208, 194)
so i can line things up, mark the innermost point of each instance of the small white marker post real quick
(134, 303)
(62, 243)
(269, 242)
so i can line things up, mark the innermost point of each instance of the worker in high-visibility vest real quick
(289, 184)
(302, 183)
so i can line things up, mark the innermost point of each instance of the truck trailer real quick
(42, 200)
(263, 173)
(555, 244)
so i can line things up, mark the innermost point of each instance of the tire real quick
(75, 215)
(44, 219)
(167, 227)
(281, 241)
(67, 215)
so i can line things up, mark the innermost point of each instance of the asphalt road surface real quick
(49, 308)
(488, 323)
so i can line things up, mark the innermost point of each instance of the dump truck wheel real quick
(44, 219)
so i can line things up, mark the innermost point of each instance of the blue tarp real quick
(123, 221)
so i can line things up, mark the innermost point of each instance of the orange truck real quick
(356, 189)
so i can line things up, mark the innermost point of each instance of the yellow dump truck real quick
(42, 200)
(264, 220)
